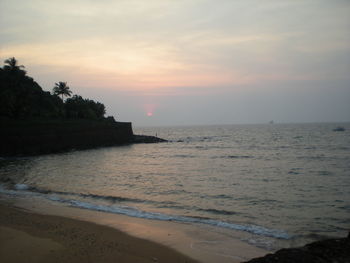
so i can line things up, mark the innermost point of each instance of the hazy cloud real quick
(210, 57)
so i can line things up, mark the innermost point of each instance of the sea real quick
(281, 184)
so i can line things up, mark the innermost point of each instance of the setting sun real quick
(149, 109)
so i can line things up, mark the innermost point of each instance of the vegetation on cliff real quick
(22, 98)
(34, 121)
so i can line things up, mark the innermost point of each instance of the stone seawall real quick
(20, 138)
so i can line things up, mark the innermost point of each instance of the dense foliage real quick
(77, 107)
(22, 98)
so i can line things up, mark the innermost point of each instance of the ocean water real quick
(281, 184)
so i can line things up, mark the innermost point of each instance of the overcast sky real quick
(183, 62)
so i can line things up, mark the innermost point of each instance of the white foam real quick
(54, 198)
(4, 190)
(130, 211)
(164, 217)
(21, 187)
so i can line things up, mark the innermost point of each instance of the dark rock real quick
(110, 119)
(147, 139)
(339, 129)
(331, 250)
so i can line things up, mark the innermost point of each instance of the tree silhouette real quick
(77, 107)
(22, 98)
(12, 66)
(62, 89)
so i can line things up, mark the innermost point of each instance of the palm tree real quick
(12, 65)
(62, 89)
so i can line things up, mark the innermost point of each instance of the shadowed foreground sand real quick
(28, 237)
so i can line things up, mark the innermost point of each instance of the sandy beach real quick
(30, 237)
(40, 232)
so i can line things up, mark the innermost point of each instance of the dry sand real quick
(80, 232)
(30, 237)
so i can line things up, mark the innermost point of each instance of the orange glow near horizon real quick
(137, 68)
(149, 108)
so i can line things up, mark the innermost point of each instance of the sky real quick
(189, 62)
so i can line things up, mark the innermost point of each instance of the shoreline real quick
(47, 238)
(191, 242)
(40, 232)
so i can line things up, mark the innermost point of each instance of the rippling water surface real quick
(277, 182)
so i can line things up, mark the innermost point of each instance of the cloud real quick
(160, 48)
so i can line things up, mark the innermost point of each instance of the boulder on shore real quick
(325, 251)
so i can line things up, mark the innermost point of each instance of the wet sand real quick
(81, 235)
(30, 237)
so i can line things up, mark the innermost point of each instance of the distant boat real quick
(271, 122)
(339, 129)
